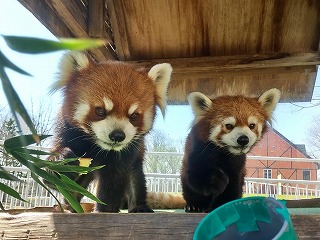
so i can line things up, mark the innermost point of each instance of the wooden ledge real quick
(121, 226)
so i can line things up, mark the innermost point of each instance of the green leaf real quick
(2, 207)
(5, 62)
(73, 168)
(15, 103)
(35, 178)
(71, 200)
(10, 191)
(37, 45)
(21, 141)
(64, 182)
(5, 175)
(78, 188)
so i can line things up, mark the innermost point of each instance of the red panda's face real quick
(233, 122)
(112, 102)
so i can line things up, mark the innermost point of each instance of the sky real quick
(289, 120)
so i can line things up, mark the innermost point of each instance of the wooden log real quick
(121, 226)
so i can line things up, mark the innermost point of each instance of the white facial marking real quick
(230, 139)
(148, 120)
(108, 104)
(81, 111)
(103, 128)
(133, 108)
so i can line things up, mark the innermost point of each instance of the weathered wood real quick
(65, 19)
(121, 226)
(156, 29)
(96, 18)
(296, 83)
(198, 65)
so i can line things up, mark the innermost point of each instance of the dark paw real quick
(216, 184)
(141, 209)
(193, 209)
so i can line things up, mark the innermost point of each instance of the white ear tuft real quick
(70, 62)
(199, 102)
(161, 75)
(269, 100)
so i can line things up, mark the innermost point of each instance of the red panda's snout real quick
(237, 138)
(233, 122)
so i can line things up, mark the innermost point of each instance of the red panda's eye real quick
(229, 126)
(134, 117)
(101, 112)
(252, 126)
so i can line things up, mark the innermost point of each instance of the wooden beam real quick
(243, 62)
(67, 20)
(121, 226)
(96, 24)
(72, 16)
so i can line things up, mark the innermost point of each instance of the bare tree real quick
(314, 137)
(157, 141)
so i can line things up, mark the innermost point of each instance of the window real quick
(267, 173)
(306, 175)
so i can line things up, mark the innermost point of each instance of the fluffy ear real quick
(199, 102)
(269, 100)
(161, 75)
(69, 63)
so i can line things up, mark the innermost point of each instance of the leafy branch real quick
(18, 147)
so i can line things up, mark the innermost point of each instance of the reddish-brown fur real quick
(211, 175)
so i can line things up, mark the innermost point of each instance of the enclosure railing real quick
(36, 195)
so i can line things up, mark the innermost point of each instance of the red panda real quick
(225, 128)
(107, 110)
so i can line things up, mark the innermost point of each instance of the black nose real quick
(243, 140)
(117, 135)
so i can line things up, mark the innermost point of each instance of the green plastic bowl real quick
(252, 218)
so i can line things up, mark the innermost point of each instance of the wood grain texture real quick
(121, 226)
(211, 44)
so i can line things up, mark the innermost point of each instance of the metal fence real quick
(36, 195)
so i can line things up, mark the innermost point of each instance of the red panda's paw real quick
(193, 209)
(141, 209)
(216, 184)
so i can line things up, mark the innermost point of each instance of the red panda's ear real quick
(69, 63)
(161, 75)
(269, 100)
(199, 102)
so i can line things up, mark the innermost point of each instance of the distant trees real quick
(40, 116)
(314, 137)
(158, 141)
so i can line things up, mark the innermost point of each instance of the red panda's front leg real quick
(137, 192)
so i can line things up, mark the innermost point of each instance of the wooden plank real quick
(121, 226)
(47, 17)
(96, 24)
(295, 83)
(293, 73)
(237, 62)
(72, 16)
(51, 16)
(160, 29)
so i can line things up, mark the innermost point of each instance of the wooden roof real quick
(248, 45)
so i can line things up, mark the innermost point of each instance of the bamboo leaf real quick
(5, 175)
(5, 62)
(21, 141)
(71, 200)
(73, 168)
(15, 103)
(64, 182)
(78, 188)
(35, 178)
(37, 45)
(11, 192)
(1, 207)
